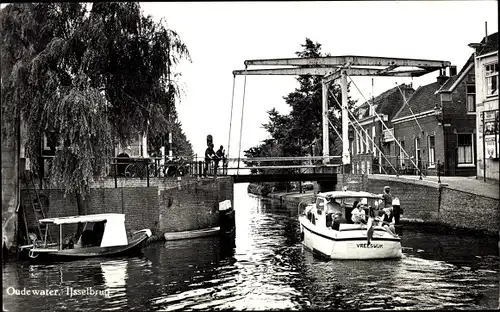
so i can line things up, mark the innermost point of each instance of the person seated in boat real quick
(87, 238)
(358, 214)
(348, 211)
(98, 232)
(387, 221)
(337, 220)
(69, 242)
(332, 207)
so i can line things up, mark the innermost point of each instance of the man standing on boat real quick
(387, 197)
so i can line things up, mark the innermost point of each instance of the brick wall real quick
(193, 206)
(461, 209)
(426, 201)
(419, 201)
(173, 206)
(455, 114)
(409, 130)
(354, 182)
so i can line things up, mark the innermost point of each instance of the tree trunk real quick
(81, 204)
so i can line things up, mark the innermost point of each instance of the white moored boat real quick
(348, 241)
(102, 235)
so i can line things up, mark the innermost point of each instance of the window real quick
(432, 151)
(50, 142)
(491, 75)
(417, 152)
(367, 147)
(471, 98)
(464, 148)
(358, 144)
(402, 153)
(320, 204)
(374, 150)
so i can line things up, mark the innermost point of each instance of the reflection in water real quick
(268, 269)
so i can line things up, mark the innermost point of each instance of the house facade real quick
(437, 126)
(370, 143)
(487, 111)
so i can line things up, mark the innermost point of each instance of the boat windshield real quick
(350, 201)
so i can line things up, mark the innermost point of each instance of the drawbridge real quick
(333, 70)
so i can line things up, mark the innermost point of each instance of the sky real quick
(222, 35)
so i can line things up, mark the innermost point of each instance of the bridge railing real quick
(286, 166)
(145, 168)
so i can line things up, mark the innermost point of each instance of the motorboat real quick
(101, 235)
(334, 239)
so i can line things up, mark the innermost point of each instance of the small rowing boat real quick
(192, 234)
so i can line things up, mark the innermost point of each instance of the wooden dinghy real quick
(192, 234)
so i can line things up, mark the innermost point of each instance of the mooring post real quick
(116, 172)
(439, 171)
(146, 162)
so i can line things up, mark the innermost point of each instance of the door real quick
(418, 159)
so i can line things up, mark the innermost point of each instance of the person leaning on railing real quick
(219, 155)
(209, 156)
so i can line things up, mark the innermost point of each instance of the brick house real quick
(365, 155)
(438, 125)
(485, 59)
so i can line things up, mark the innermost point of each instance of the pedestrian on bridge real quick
(219, 155)
(209, 157)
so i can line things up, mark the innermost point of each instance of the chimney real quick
(441, 79)
(486, 32)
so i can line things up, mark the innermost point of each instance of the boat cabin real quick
(328, 204)
(102, 230)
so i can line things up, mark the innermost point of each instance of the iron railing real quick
(395, 165)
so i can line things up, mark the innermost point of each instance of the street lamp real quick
(438, 113)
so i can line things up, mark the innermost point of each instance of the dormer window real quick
(491, 76)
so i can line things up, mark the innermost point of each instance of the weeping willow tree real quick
(89, 74)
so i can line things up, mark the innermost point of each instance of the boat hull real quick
(350, 242)
(133, 248)
(192, 234)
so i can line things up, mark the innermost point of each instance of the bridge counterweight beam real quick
(345, 119)
(324, 108)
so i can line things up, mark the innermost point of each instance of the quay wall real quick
(428, 201)
(169, 206)
(460, 208)
(419, 201)
(193, 206)
(422, 201)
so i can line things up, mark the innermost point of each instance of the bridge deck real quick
(280, 177)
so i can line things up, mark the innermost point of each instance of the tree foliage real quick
(299, 132)
(90, 74)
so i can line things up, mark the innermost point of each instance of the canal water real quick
(264, 267)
